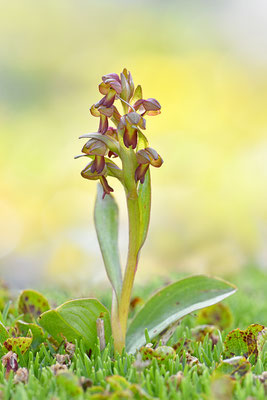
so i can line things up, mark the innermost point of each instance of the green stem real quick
(119, 339)
(129, 164)
(132, 261)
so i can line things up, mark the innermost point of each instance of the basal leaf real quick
(32, 304)
(106, 223)
(245, 343)
(144, 199)
(35, 330)
(174, 302)
(76, 319)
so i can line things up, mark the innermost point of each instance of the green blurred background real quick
(206, 63)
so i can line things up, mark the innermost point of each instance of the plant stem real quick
(132, 261)
(129, 164)
(119, 340)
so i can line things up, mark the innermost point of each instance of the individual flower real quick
(110, 82)
(110, 87)
(103, 122)
(90, 174)
(104, 113)
(129, 125)
(98, 149)
(148, 107)
(146, 157)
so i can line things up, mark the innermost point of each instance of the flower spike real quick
(124, 137)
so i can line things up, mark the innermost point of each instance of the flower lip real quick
(98, 164)
(106, 188)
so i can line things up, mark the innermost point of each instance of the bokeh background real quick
(206, 62)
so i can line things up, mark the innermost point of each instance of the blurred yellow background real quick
(206, 63)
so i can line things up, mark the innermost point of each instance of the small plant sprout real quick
(121, 113)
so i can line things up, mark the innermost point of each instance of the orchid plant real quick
(121, 112)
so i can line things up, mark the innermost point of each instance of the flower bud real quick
(127, 85)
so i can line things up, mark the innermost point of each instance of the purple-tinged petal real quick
(113, 81)
(94, 147)
(107, 111)
(138, 104)
(133, 118)
(151, 105)
(111, 76)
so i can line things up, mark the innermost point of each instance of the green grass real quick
(160, 379)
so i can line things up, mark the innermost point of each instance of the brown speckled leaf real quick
(32, 304)
(244, 343)
(23, 343)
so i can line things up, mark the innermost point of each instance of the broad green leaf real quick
(23, 343)
(32, 304)
(245, 343)
(35, 331)
(144, 199)
(76, 319)
(106, 223)
(174, 302)
(3, 333)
